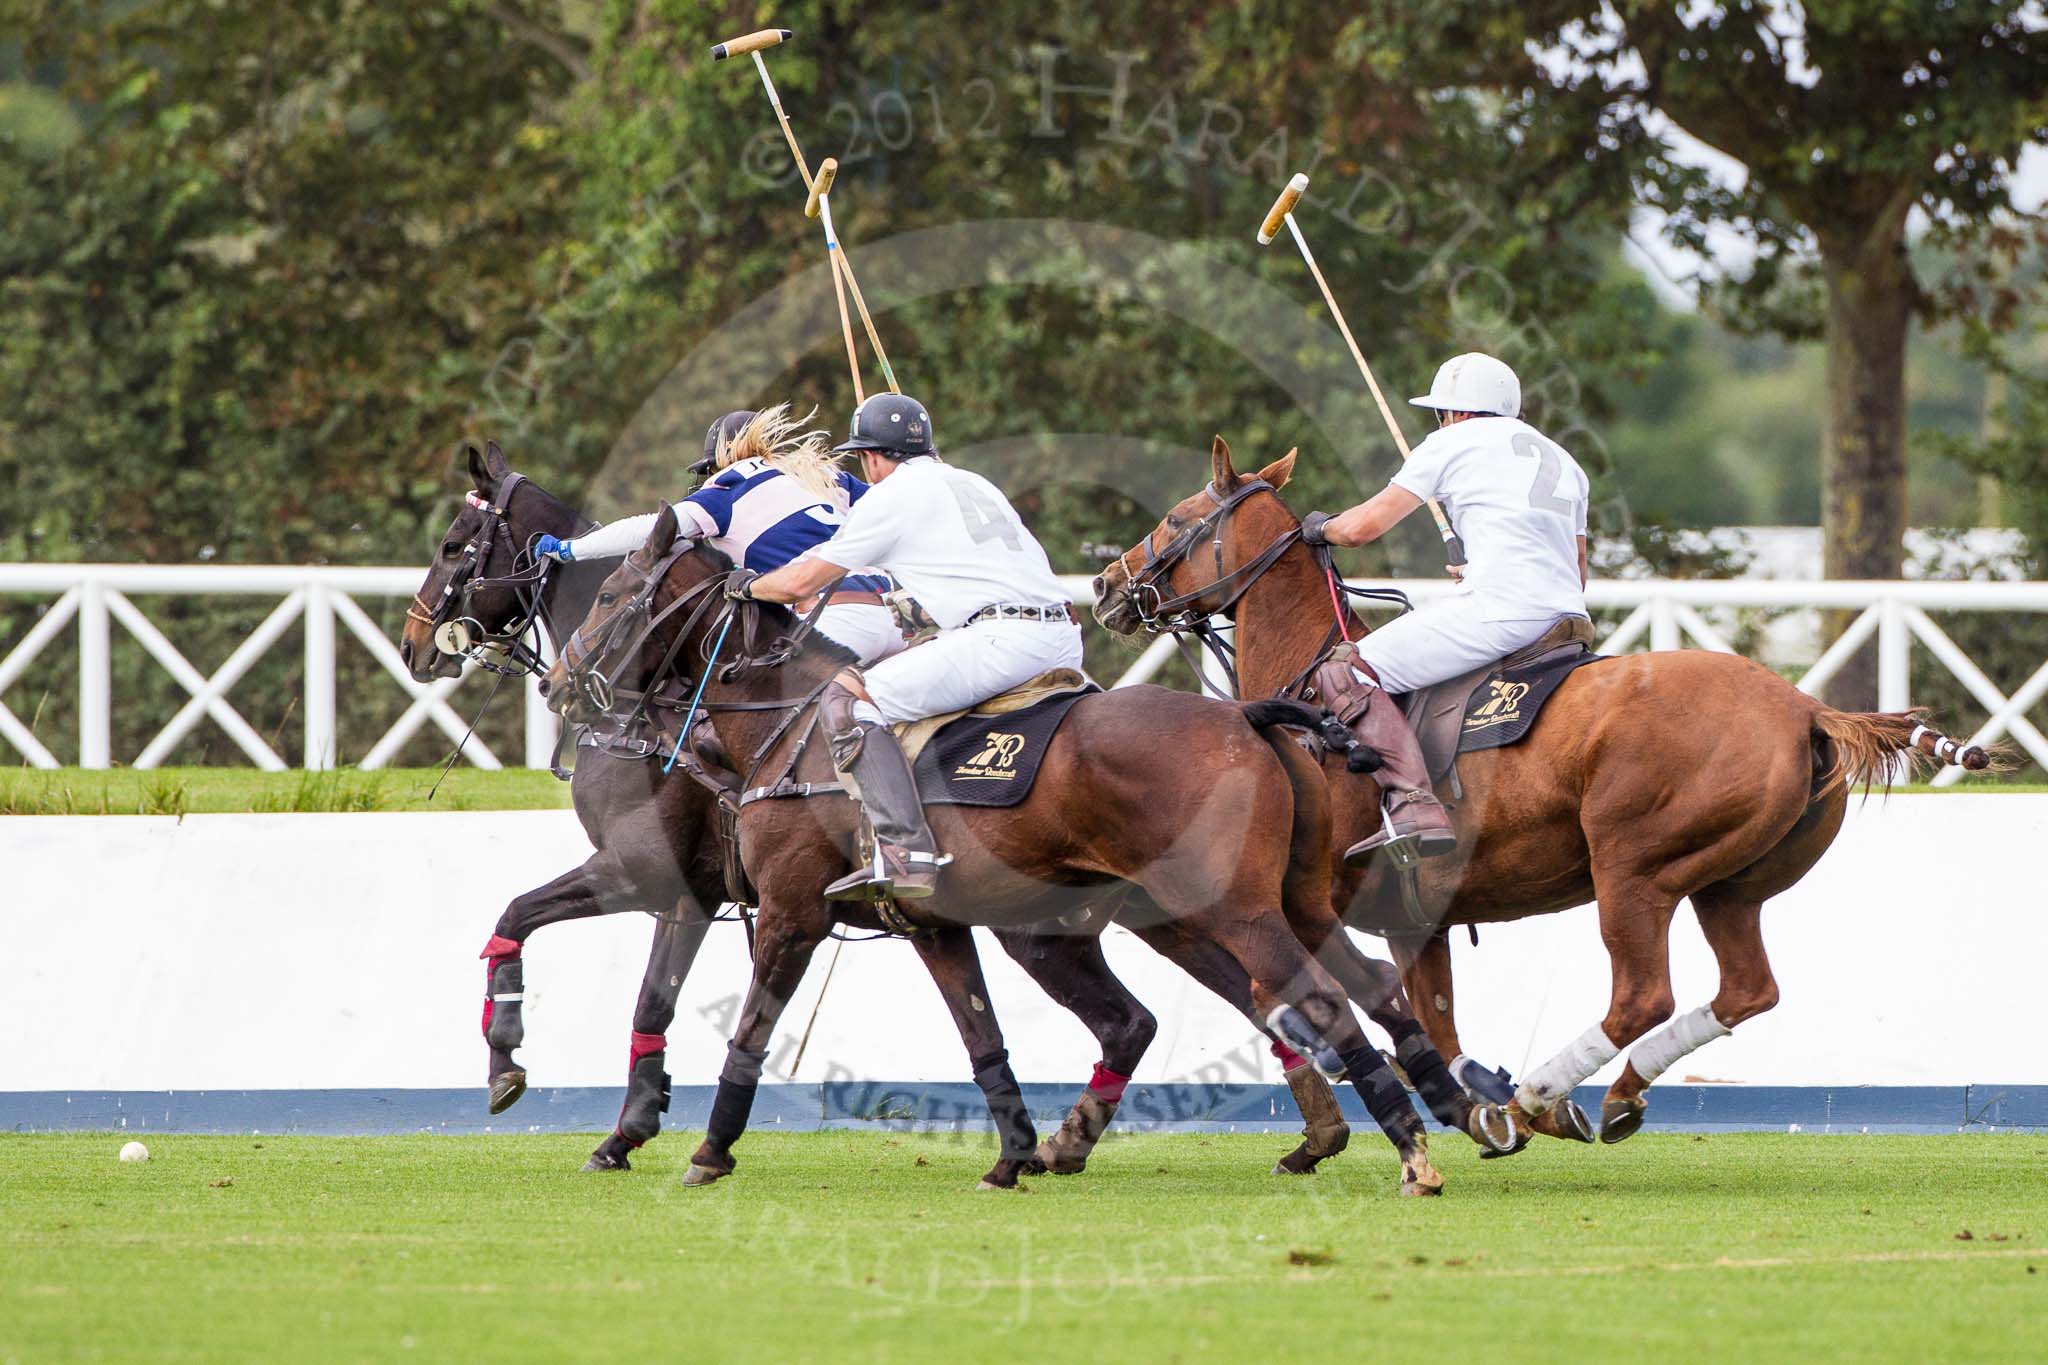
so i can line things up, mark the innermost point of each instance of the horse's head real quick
(1202, 554)
(660, 589)
(467, 599)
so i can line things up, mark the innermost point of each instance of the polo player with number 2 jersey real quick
(953, 542)
(1518, 501)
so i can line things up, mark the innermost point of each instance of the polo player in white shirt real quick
(953, 542)
(1518, 501)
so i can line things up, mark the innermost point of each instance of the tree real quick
(1846, 120)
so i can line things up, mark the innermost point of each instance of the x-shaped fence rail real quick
(91, 598)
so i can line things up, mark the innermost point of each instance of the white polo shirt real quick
(951, 540)
(1518, 501)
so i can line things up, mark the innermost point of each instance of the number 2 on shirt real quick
(1549, 472)
(985, 520)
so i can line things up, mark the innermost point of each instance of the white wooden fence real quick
(1661, 614)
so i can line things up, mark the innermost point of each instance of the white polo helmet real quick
(1474, 382)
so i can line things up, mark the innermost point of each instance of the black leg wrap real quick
(1385, 1098)
(1430, 1077)
(508, 1024)
(646, 1099)
(729, 1110)
(1006, 1106)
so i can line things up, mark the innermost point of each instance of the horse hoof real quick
(1524, 1126)
(1620, 1118)
(506, 1088)
(701, 1175)
(1571, 1122)
(1493, 1128)
(1046, 1161)
(599, 1161)
(1300, 1161)
(1423, 1184)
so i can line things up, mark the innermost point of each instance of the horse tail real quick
(1263, 715)
(1853, 747)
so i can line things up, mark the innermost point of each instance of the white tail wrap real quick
(1556, 1078)
(1653, 1056)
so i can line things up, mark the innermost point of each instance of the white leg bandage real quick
(1695, 1028)
(1552, 1081)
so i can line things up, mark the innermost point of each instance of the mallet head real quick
(821, 185)
(1282, 206)
(752, 42)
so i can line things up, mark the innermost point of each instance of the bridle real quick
(513, 648)
(594, 662)
(1191, 613)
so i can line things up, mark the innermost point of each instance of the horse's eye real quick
(1172, 522)
(450, 549)
(606, 599)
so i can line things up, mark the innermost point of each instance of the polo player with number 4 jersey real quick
(954, 543)
(1518, 501)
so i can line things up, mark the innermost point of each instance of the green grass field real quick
(204, 791)
(858, 1246)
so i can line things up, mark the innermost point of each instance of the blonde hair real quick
(788, 445)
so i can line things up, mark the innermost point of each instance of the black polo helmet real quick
(724, 431)
(893, 423)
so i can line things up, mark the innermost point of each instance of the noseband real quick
(1189, 614)
(1158, 612)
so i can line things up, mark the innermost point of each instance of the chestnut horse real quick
(1648, 779)
(1220, 827)
(659, 847)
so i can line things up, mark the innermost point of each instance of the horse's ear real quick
(479, 472)
(661, 539)
(1219, 462)
(495, 461)
(1281, 470)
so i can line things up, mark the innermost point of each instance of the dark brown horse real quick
(1219, 826)
(656, 841)
(657, 836)
(1648, 779)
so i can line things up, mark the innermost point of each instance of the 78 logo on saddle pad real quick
(997, 759)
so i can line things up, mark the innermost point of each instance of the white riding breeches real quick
(1442, 640)
(869, 631)
(961, 667)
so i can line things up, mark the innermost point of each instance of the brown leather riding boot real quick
(1416, 825)
(906, 862)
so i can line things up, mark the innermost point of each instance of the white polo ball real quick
(134, 1151)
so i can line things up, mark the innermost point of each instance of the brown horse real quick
(1647, 780)
(1219, 827)
(657, 836)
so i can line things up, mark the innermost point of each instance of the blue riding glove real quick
(548, 547)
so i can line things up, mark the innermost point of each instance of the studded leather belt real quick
(1010, 612)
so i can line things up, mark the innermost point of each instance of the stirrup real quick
(1404, 851)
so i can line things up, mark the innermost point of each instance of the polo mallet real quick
(816, 203)
(1283, 212)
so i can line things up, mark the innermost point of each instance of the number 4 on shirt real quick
(1549, 472)
(986, 520)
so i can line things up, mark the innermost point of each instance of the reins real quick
(1179, 616)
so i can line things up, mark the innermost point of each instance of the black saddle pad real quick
(1506, 704)
(991, 760)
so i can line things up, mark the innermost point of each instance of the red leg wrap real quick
(1106, 1085)
(1290, 1060)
